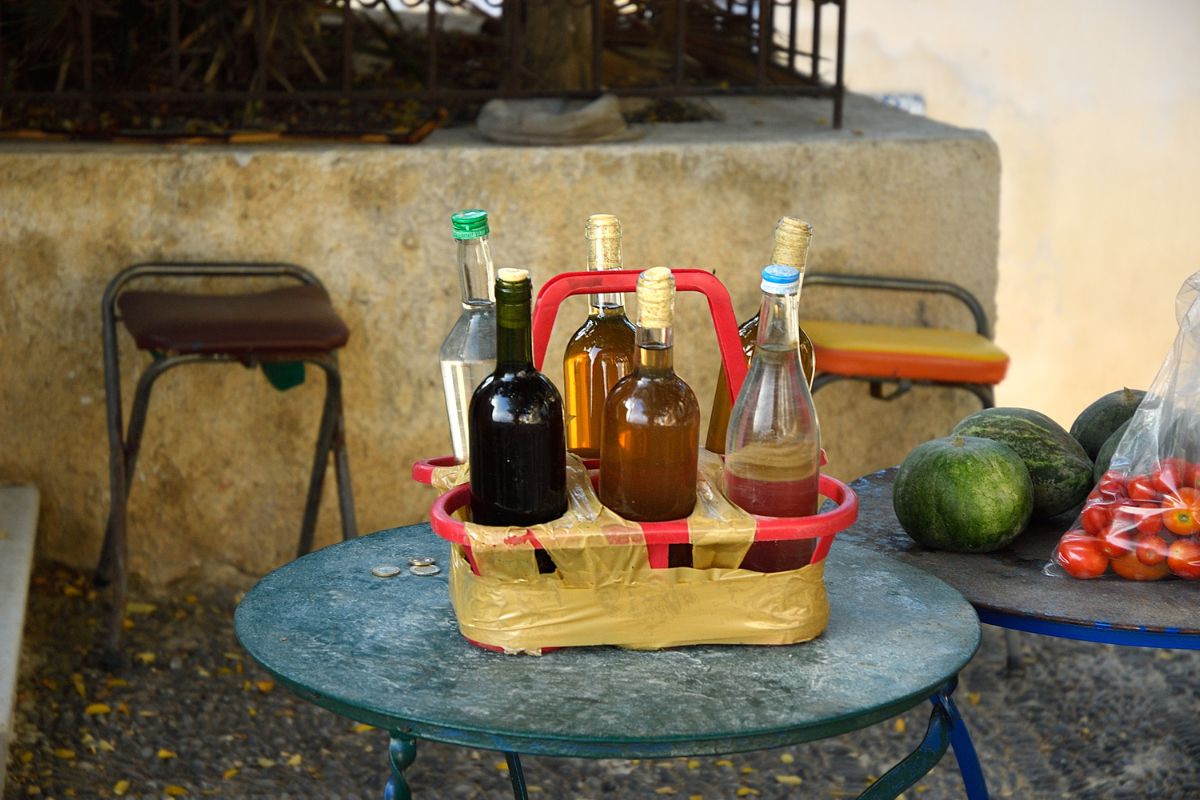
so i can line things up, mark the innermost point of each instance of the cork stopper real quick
(792, 237)
(656, 298)
(603, 233)
(512, 275)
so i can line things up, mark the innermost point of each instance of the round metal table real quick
(1009, 589)
(386, 651)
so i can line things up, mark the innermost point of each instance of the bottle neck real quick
(476, 275)
(656, 349)
(604, 252)
(514, 334)
(779, 322)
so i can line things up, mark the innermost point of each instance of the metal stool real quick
(902, 356)
(286, 324)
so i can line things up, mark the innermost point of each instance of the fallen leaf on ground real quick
(789, 780)
(77, 681)
(973, 698)
(191, 598)
(232, 772)
(664, 790)
(787, 758)
(295, 760)
(26, 757)
(71, 591)
(120, 787)
(134, 607)
(97, 708)
(746, 791)
(164, 753)
(63, 752)
(173, 790)
(748, 770)
(146, 657)
(723, 762)
(111, 682)
(265, 762)
(362, 727)
(106, 746)
(265, 686)
(693, 763)
(900, 726)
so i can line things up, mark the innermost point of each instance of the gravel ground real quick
(193, 716)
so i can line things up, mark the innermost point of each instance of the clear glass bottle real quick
(651, 431)
(600, 353)
(468, 354)
(773, 447)
(518, 452)
(792, 238)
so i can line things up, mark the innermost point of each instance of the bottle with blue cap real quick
(468, 354)
(773, 443)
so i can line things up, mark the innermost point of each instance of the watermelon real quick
(1104, 457)
(963, 493)
(1058, 465)
(1097, 422)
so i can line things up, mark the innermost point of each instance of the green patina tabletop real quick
(387, 651)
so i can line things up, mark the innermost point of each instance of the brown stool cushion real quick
(291, 319)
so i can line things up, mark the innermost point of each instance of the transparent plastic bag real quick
(1142, 519)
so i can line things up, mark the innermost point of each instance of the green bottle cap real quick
(470, 224)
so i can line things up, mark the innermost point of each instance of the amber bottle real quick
(792, 238)
(600, 353)
(651, 430)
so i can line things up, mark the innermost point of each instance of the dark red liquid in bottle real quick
(795, 498)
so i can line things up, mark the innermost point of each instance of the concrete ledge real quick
(18, 523)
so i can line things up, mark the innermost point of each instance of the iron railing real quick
(679, 48)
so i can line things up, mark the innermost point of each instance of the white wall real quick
(1095, 105)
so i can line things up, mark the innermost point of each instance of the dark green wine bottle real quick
(515, 423)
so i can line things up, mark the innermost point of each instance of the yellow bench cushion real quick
(884, 351)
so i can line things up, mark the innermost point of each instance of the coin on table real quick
(385, 571)
(425, 569)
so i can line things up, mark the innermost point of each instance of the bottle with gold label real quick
(517, 451)
(651, 431)
(792, 238)
(773, 447)
(601, 352)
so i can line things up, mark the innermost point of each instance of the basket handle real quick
(624, 281)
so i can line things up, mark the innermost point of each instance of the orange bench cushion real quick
(883, 351)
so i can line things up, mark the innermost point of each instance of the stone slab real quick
(224, 466)
(18, 526)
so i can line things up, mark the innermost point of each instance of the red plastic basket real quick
(659, 535)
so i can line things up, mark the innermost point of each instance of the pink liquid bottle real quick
(773, 444)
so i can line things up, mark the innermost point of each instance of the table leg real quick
(516, 775)
(402, 752)
(946, 729)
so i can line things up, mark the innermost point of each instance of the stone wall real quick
(222, 475)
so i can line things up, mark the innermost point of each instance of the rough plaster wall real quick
(223, 471)
(1095, 106)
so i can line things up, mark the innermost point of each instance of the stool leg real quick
(325, 436)
(345, 489)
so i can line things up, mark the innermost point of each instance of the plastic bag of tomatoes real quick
(1142, 520)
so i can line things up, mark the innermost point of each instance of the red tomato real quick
(1131, 569)
(1112, 483)
(1151, 521)
(1115, 542)
(1096, 496)
(1141, 487)
(1080, 555)
(1169, 474)
(1183, 559)
(1095, 518)
(1124, 519)
(1192, 474)
(1151, 549)
(1181, 511)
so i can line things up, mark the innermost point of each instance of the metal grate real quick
(123, 61)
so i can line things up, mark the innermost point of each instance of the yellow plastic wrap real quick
(604, 590)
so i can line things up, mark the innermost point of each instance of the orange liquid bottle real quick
(792, 237)
(651, 429)
(601, 352)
